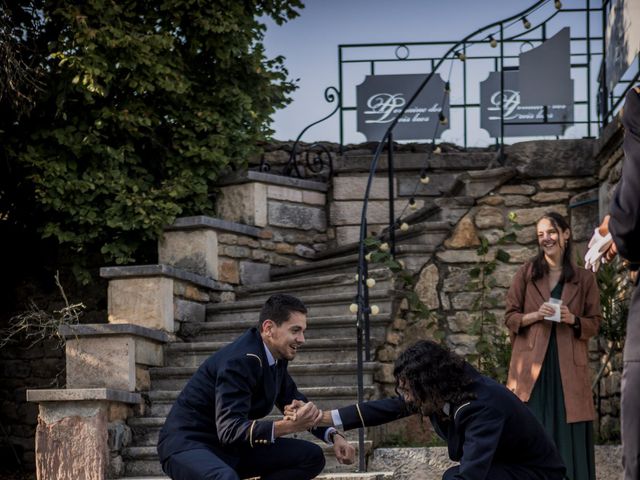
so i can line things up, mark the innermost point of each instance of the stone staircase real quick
(325, 368)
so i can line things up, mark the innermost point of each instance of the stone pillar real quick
(72, 437)
(115, 356)
(153, 296)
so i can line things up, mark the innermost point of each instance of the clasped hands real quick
(309, 415)
(547, 310)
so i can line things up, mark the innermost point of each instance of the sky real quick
(310, 45)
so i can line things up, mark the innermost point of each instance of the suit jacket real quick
(222, 405)
(529, 343)
(493, 428)
(624, 224)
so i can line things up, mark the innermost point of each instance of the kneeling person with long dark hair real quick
(488, 429)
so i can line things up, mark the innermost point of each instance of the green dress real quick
(574, 440)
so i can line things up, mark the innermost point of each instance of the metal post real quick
(362, 285)
(392, 217)
(341, 89)
(501, 91)
(464, 93)
(588, 2)
(367, 327)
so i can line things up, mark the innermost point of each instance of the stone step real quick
(319, 284)
(141, 461)
(324, 397)
(336, 304)
(305, 375)
(323, 476)
(325, 350)
(428, 234)
(342, 326)
(448, 160)
(145, 430)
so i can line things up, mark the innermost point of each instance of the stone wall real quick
(41, 366)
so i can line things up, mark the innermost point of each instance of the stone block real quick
(552, 158)
(575, 183)
(492, 200)
(584, 217)
(462, 343)
(101, 362)
(283, 193)
(73, 447)
(229, 270)
(517, 190)
(188, 311)
(189, 291)
(353, 188)
(194, 250)
(551, 197)
(253, 272)
(245, 203)
(460, 322)
(349, 213)
(314, 198)
(516, 201)
(465, 234)
(551, 184)
(439, 183)
(529, 216)
(300, 217)
(144, 301)
(351, 234)
(427, 287)
(149, 353)
(488, 217)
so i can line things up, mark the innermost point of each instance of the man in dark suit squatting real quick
(216, 429)
(488, 429)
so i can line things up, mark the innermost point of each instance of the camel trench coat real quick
(529, 343)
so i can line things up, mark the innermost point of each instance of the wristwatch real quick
(333, 434)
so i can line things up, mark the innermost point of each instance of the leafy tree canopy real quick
(118, 116)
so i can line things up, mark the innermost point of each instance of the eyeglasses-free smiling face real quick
(551, 239)
(284, 340)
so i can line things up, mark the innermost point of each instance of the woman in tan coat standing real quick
(552, 309)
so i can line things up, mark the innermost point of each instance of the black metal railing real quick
(457, 51)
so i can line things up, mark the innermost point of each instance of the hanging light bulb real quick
(401, 262)
(526, 23)
(375, 309)
(424, 178)
(353, 308)
(461, 56)
(412, 203)
(371, 282)
(384, 247)
(447, 87)
(443, 119)
(493, 42)
(404, 226)
(357, 277)
(437, 150)
(558, 4)
(367, 257)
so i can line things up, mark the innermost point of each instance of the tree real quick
(145, 104)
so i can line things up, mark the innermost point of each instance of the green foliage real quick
(146, 104)
(493, 348)
(615, 292)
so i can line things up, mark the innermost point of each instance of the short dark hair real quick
(279, 307)
(434, 375)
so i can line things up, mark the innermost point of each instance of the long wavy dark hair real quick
(433, 375)
(539, 266)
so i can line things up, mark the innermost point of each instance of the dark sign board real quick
(531, 117)
(381, 97)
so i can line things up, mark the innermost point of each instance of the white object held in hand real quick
(598, 245)
(555, 304)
